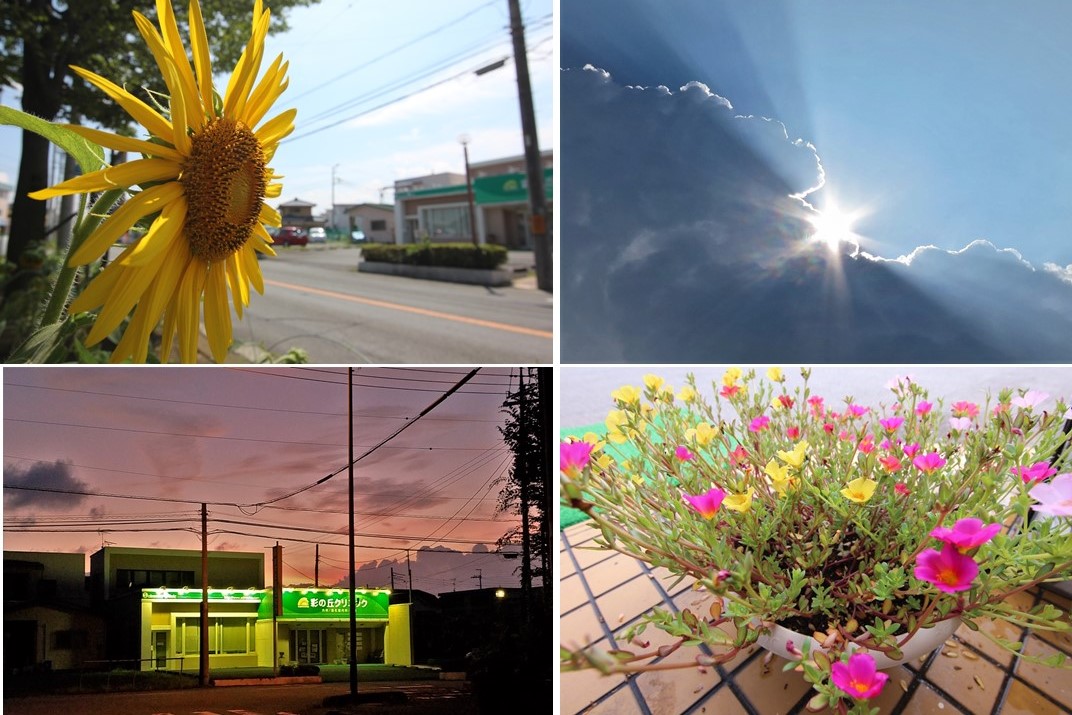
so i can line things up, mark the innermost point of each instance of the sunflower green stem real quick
(86, 225)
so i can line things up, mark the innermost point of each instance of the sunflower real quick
(204, 177)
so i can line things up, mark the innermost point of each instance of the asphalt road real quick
(315, 299)
(423, 697)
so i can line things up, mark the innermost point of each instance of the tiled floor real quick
(603, 592)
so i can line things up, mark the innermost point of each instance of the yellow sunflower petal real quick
(248, 257)
(266, 92)
(246, 70)
(239, 286)
(170, 31)
(166, 62)
(202, 60)
(276, 128)
(119, 143)
(161, 234)
(273, 191)
(189, 309)
(135, 341)
(217, 312)
(98, 290)
(142, 113)
(130, 287)
(141, 204)
(269, 216)
(120, 176)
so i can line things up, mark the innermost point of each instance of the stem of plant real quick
(87, 224)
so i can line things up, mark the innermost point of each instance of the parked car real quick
(291, 236)
(317, 234)
(357, 236)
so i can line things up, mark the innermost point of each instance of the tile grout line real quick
(918, 678)
(630, 681)
(1006, 683)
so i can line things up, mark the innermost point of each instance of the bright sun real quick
(833, 227)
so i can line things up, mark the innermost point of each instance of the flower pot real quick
(924, 641)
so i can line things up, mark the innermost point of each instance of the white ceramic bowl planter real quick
(924, 641)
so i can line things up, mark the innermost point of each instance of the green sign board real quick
(329, 604)
(506, 188)
(215, 595)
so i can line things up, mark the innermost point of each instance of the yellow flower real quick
(702, 434)
(626, 394)
(687, 394)
(779, 476)
(859, 490)
(731, 376)
(615, 420)
(776, 404)
(604, 461)
(594, 439)
(794, 458)
(738, 502)
(774, 374)
(653, 382)
(204, 177)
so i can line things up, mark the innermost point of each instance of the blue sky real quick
(385, 51)
(702, 150)
(942, 119)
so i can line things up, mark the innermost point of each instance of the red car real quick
(291, 236)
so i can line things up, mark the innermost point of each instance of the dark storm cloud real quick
(684, 240)
(42, 475)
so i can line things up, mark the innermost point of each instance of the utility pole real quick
(409, 580)
(544, 390)
(464, 139)
(203, 655)
(479, 578)
(392, 579)
(521, 468)
(333, 182)
(537, 202)
(353, 566)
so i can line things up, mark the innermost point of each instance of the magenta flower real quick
(966, 534)
(890, 424)
(707, 503)
(949, 570)
(1055, 497)
(828, 428)
(759, 424)
(857, 410)
(960, 423)
(902, 489)
(929, 462)
(1035, 473)
(965, 409)
(573, 457)
(924, 407)
(859, 677)
(911, 450)
(886, 445)
(682, 452)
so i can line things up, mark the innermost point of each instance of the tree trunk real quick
(28, 215)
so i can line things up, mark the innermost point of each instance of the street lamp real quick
(464, 139)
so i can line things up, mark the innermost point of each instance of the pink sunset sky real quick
(235, 437)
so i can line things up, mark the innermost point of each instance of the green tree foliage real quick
(40, 39)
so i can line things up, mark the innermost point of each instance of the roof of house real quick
(297, 202)
(382, 207)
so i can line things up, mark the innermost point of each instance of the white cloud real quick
(1062, 272)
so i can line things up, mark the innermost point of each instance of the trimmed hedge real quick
(452, 255)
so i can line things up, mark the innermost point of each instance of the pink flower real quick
(1054, 497)
(949, 570)
(966, 534)
(1000, 408)
(910, 450)
(856, 410)
(902, 489)
(1035, 473)
(890, 424)
(738, 455)
(929, 462)
(729, 390)
(866, 445)
(682, 452)
(960, 423)
(573, 457)
(858, 678)
(707, 503)
(816, 404)
(890, 463)
(844, 435)
(886, 445)
(1031, 398)
(759, 424)
(792, 433)
(828, 428)
(924, 407)
(965, 409)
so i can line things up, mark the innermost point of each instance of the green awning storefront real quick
(507, 188)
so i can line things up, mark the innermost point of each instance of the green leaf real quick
(51, 342)
(90, 156)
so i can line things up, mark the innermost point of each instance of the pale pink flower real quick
(1054, 497)
(960, 423)
(1031, 398)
